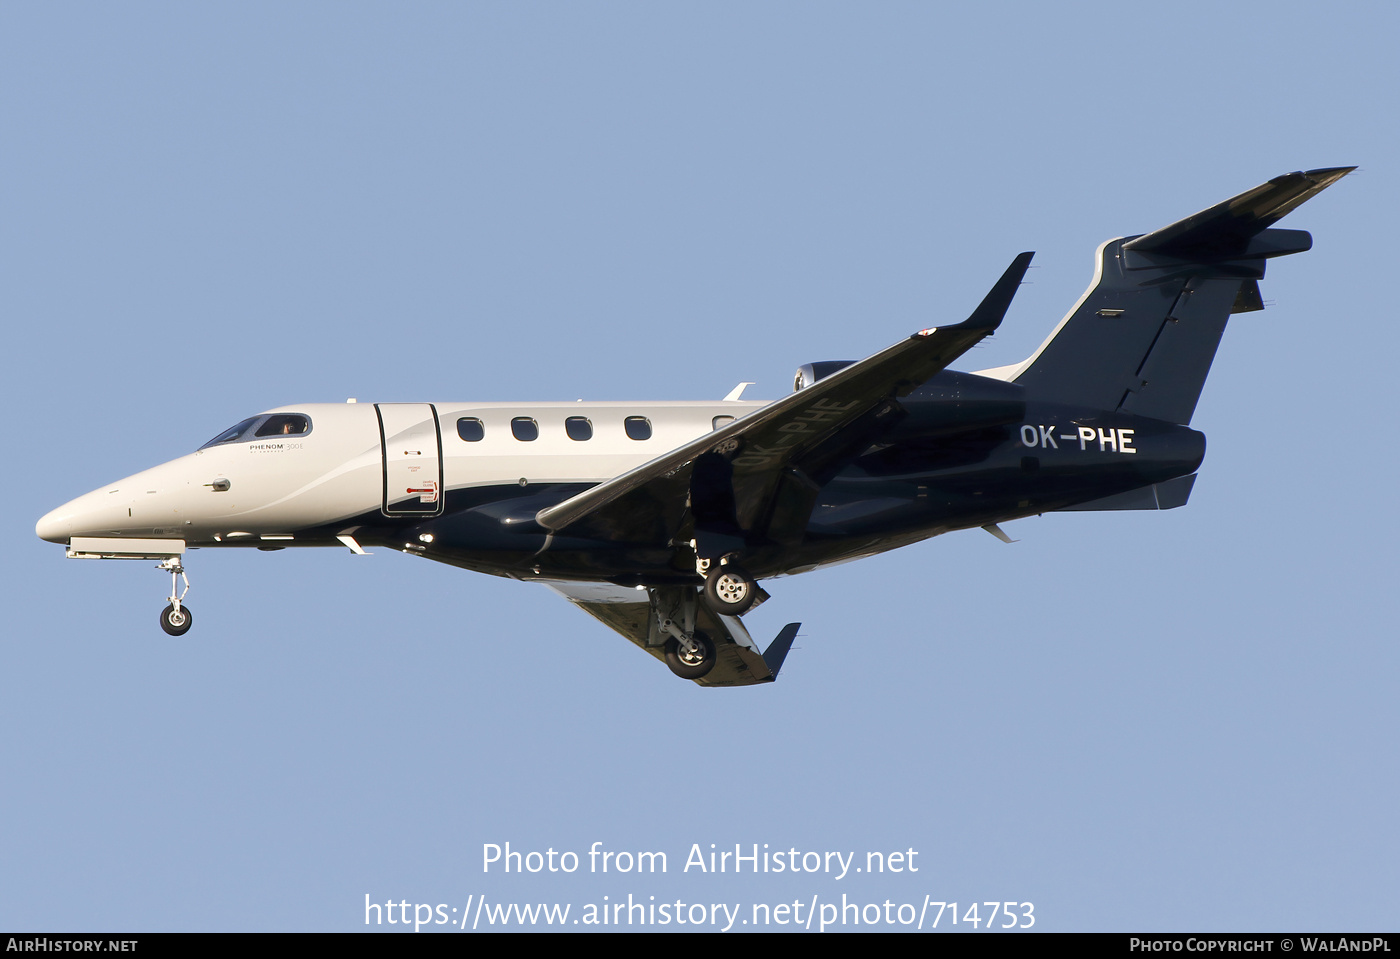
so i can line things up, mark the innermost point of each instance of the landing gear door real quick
(408, 434)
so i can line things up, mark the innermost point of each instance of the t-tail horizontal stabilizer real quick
(1226, 230)
(1142, 338)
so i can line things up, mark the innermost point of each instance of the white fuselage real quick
(350, 460)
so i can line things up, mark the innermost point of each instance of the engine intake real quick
(809, 373)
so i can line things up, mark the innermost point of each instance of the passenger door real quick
(412, 446)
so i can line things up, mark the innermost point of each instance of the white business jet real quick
(660, 518)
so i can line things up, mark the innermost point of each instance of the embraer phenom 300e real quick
(659, 519)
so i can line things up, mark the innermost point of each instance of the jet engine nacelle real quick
(809, 373)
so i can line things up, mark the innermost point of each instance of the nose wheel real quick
(176, 622)
(176, 619)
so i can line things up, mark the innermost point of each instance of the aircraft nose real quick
(150, 503)
(91, 514)
(56, 526)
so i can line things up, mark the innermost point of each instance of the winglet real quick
(992, 309)
(777, 650)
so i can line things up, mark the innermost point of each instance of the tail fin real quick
(1143, 336)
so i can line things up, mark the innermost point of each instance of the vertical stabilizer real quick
(1143, 336)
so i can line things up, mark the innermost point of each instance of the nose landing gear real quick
(176, 619)
(176, 622)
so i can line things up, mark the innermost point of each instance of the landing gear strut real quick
(176, 619)
(688, 651)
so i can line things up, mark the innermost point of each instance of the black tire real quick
(176, 624)
(730, 591)
(690, 667)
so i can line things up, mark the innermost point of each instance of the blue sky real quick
(1182, 720)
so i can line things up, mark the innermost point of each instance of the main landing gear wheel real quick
(691, 664)
(176, 622)
(730, 591)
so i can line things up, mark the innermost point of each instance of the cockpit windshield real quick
(269, 424)
(283, 424)
(233, 434)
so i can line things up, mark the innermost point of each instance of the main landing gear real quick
(176, 619)
(729, 590)
(693, 660)
(689, 652)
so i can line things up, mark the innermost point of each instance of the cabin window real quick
(284, 424)
(719, 421)
(638, 427)
(578, 428)
(525, 429)
(469, 428)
